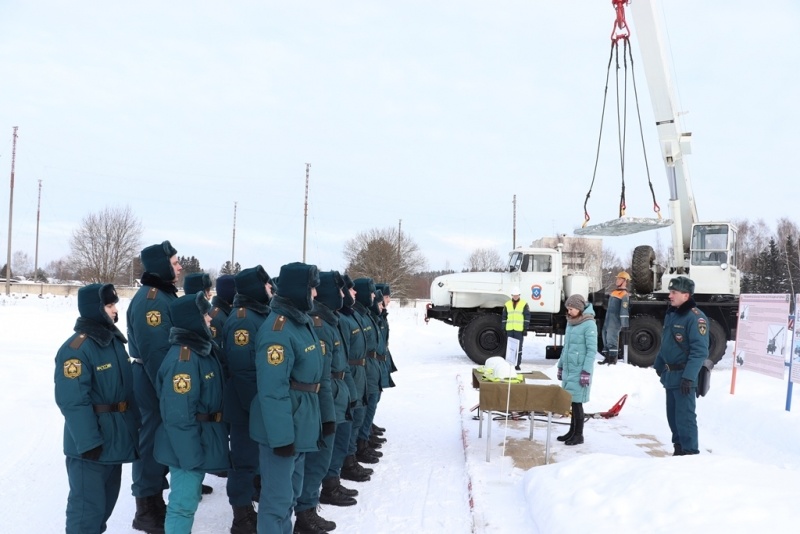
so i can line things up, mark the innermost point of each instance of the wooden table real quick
(540, 397)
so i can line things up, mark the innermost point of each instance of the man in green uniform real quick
(684, 348)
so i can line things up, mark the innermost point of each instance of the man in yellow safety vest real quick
(516, 317)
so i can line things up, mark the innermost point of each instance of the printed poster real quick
(511, 351)
(762, 334)
(794, 373)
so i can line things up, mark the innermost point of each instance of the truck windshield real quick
(710, 244)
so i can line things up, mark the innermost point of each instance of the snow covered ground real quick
(434, 476)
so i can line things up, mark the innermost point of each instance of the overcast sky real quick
(433, 113)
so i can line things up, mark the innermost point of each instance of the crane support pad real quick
(624, 226)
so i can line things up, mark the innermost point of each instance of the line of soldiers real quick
(274, 382)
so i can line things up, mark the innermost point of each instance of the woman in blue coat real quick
(192, 438)
(94, 390)
(577, 362)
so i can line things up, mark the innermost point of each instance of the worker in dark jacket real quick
(251, 307)
(149, 325)
(355, 343)
(94, 390)
(684, 348)
(293, 408)
(516, 317)
(221, 306)
(192, 438)
(617, 319)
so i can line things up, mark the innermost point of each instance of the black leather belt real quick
(108, 408)
(215, 417)
(375, 356)
(299, 386)
(362, 361)
(338, 376)
(675, 367)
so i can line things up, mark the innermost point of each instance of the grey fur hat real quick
(682, 284)
(576, 301)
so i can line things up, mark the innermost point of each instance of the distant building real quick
(579, 254)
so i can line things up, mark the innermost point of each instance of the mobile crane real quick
(704, 251)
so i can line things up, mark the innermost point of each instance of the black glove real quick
(686, 386)
(328, 428)
(93, 454)
(286, 451)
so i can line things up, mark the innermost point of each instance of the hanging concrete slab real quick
(623, 226)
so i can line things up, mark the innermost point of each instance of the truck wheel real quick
(717, 341)
(483, 338)
(644, 340)
(641, 269)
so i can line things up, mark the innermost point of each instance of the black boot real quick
(149, 515)
(347, 491)
(375, 438)
(612, 357)
(366, 455)
(331, 494)
(373, 442)
(352, 470)
(678, 450)
(375, 429)
(577, 437)
(244, 520)
(571, 431)
(308, 522)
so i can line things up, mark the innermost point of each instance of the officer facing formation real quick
(94, 391)
(684, 348)
(192, 439)
(616, 320)
(254, 289)
(293, 408)
(149, 323)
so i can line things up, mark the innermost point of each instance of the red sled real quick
(614, 411)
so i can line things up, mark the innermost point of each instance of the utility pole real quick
(11, 211)
(514, 225)
(233, 241)
(305, 213)
(36, 254)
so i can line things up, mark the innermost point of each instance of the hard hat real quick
(623, 274)
(515, 290)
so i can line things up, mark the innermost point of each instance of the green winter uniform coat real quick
(94, 391)
(239, 351)
(355, 344)
(326, 323)
(684, 343)
(382, 327)
(578, 354)
(289, 365)
(149, 323)
(219, 313)
(192, 435)
(372, 339)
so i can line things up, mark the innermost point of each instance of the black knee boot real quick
(577, 412)
(571, 430)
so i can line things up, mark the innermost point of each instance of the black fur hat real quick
(250, 283)
(385, 289)
(155, 260)
(188, 312)
(297, 279)
(365, 288)
(226, 287)
(92, 300)
(194, 282)
(330, 288)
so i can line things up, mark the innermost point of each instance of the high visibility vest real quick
(515, 320)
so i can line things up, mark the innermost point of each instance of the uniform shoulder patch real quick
(182, 383)
(275, 354)
(152, 294)
(279, 322)
(625, 304)
(214, 312)
(213, 331)
(72, 368)
(78, 341)
(153, 317)
(317, 321)
(241, 313)
(186, 354)
(702, 326)
(241, 337)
